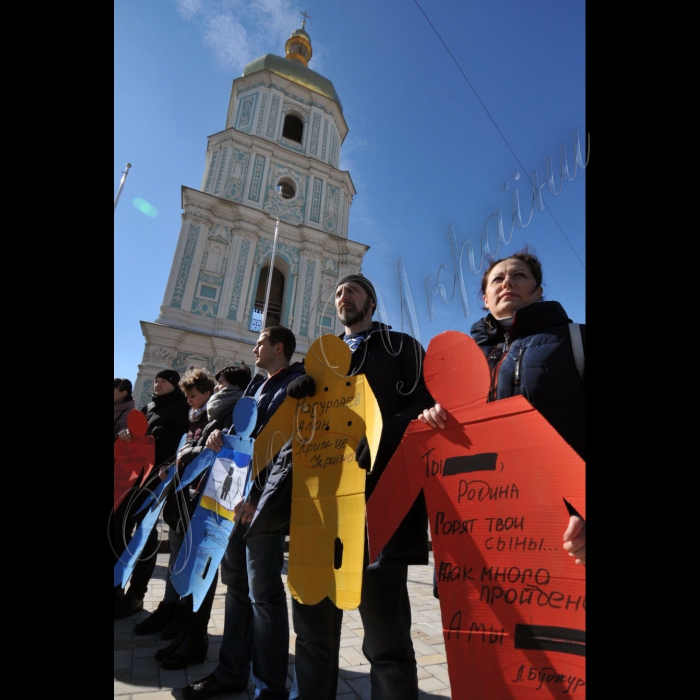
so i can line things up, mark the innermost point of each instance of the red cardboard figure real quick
(135, 458)
(497, 482)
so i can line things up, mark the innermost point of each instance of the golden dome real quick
(298, 47)
(295, 71)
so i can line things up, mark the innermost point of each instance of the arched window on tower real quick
(299, 48)
(293, 128)
(274, 306)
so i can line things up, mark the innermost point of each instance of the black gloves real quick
(362, 455)
(301, 387)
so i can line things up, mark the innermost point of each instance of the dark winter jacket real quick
(178, 501)
(272, 489)
(218, 416)
(393, 365)
(535, 360)
(121, 412)
(167, 421)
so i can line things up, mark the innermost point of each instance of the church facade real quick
(272, 212)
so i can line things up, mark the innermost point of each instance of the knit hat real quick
(364, 283)
(170, 375)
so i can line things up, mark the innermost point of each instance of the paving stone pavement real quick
(138, 676)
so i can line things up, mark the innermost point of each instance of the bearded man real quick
(392, 363)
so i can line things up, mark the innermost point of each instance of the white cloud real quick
(278, 15)
(229, 41)
(238, 31)
(189, 8)
(354, 144)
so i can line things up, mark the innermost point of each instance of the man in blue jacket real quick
(256, 623)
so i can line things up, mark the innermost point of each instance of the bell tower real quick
(274, 167)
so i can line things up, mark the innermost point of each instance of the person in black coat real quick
(123, 403)
(167, 416)
(198, 387)
(392, 363)
(174, 615)
(528, 346)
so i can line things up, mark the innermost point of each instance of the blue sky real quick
(441, 118)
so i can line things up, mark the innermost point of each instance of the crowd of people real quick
(528, 347)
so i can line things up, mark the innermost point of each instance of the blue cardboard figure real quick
(212, 522)
(155, 501)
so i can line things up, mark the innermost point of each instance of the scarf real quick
(195, 413)
(354, 339)
(222, 401)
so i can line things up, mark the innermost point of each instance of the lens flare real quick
(144, 207)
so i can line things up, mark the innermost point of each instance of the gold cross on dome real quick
(305, 18)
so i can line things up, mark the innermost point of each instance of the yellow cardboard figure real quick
(327, 531)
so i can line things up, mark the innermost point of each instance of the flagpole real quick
(121, 184)
(269, 272)
(269, 278)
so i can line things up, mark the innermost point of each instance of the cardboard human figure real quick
(498, 482)
(133, 461)
(213, 519)
(153, 503)
(327, 529)
(245, 416)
